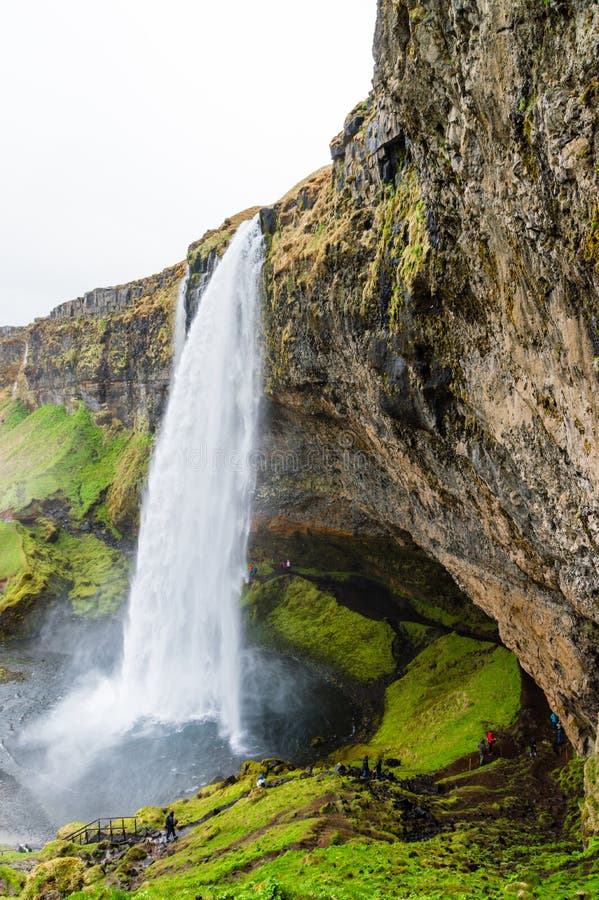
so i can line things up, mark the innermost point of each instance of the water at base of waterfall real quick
(285, 707)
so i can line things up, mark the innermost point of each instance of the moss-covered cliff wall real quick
(431, 322)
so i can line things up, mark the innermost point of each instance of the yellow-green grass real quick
(450, 695)
(93, 575)
(311, 622)
(11, 550)
(11, 880)
(53, 452)
(328, 837)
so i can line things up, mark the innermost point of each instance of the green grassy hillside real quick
(69, 493)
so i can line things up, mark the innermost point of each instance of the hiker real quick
(490, 741)
(378, 769)
(365, 773)
(287, 565)
(553, 718)
(170, 827)
(261, 781)
(482, 749)
(559, 734)
(532, 748)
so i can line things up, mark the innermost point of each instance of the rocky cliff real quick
(431, 322)
(431, 335)
(110, 348)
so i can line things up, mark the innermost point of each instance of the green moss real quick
(313, 623)
(52, 452)
(215, 241)
(403, 246)
(123, 499)
(590, 244)
(11, 550)
(62, 876)
(93, 575)
(11, 881)
(451, 693)
(571, 780)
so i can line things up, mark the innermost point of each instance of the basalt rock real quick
(111, 348)
(12, 349)
(431, 323)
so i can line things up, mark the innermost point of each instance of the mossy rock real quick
(62, 876)
(123, 499)
(310, 621)
(11, 881)
(93, 875)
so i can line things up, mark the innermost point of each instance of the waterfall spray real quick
(181, 654)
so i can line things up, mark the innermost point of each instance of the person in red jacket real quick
(490, 741)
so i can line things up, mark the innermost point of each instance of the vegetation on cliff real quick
(68, 488)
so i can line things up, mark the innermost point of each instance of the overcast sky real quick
(129, 127)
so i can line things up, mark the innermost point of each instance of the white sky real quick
(129, 127)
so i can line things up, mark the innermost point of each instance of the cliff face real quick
(12, 349)
(431, 322)
(111, 348)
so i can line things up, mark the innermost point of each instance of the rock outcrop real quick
(12, 351)
(111, 348)
(432, 312)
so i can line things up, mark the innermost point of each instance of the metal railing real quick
(116, 830)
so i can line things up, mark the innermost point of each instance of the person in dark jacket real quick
(482, 749)
(170, 827)
(365, 773)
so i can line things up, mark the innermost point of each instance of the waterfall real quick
(180, 332)
(181, 652)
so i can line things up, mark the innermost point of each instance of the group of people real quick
(485, 745)
(365, 772)
(253, 568)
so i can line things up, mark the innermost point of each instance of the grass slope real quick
(311, 621)
(453, 691)
(327, 836)
(57, 468)
(52, 452)
(11, 550)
